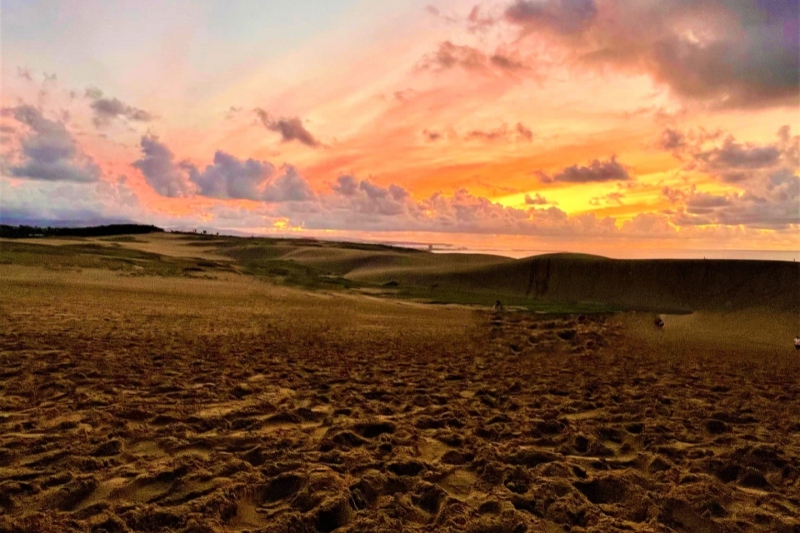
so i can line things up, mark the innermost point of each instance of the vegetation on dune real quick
(104, 256)
(568, 281)
(329, 265)
(443, 296)
(547, 283)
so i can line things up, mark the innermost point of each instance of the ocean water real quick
(520, 246)
(755, 255)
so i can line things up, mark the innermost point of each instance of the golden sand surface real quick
(160, 404)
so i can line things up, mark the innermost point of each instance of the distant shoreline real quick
(745, 255)
(25, 231)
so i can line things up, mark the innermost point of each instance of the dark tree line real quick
(21, 232)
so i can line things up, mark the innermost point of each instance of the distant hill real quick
(658, 285)
(648, 285)
(544, 282)
(26, 232)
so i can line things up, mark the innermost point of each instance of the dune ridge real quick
(663, 285)
(657, 285)
(187, 384)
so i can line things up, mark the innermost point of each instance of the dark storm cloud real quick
(48, 151)
(730, 53)
(754, 71)
(290, 129)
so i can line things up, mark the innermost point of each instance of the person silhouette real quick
(797, 343)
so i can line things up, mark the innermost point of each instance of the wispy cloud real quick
(290, 129)
(106, 110)
(596, 171)
(449, 56)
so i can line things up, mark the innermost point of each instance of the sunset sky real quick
(629, 128)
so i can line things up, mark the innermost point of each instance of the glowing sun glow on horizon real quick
(534, 124)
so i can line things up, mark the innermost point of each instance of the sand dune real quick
(161, 399)
(650, 285)
(657, 285)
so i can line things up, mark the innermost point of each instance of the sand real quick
(162, 404)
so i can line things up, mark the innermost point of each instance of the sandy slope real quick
(654, 285)
(195, 405)
(657, 285)
(554, 279)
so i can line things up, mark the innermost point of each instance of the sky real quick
(628, 128)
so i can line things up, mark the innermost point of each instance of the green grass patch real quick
(121, 238)
(446, 296)
(115, 258)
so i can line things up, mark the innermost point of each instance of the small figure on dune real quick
(797, 343)
(498, 306)
(659, 323)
